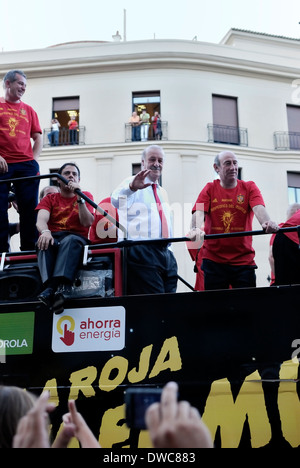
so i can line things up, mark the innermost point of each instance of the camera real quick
(137, 400)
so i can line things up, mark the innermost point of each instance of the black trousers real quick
(27, 199)
(151, 270)
(62, 259)
(286, 255)
(224, 276)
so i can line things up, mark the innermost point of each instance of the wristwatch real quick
(81, 201)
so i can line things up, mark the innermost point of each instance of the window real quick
(293, 116)
(149, 100)
(225, 120)
(136, 168)
(293, 187)
(64, 109)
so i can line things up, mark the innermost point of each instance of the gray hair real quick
(11, 76)
(217, 158)
(151, 147)
(292, 209)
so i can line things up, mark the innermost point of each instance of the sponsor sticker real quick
(89, 329)
(16, 333)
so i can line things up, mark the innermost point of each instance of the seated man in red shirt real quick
(63, 222)
(228, 205)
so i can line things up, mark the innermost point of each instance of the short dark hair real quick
(69, 164)
(11, 75)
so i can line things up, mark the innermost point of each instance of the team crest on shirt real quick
(240, 199)
(23, 112)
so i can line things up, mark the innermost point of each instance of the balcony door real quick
(149, 100)
(293, 116)
(225, 120)
(63, 109)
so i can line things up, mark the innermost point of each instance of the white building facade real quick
(242, 94)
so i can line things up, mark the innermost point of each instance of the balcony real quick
(64, 137)
(130, 136)
(287, 141)
(227, 135)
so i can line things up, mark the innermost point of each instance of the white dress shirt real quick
(138, 211)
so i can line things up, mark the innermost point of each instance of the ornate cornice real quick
(143, 55)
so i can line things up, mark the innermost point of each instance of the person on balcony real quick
(63, 222)
(135, 124)
(227, 206)
(156, 126)
(145, 122)
(73, 130)
(53, 136)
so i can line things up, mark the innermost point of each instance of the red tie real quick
(164, 224)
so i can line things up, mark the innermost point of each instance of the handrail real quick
(172, 240)
(129, 243)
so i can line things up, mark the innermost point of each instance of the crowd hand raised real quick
(138, 182)
(32, 431)
(74, 422)
(175, 424)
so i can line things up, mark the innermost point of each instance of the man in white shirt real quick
(143, 209)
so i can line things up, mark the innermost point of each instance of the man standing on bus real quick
(227, 205)
(19, 125)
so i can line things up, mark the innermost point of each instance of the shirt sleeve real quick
(35, 124)
(122, 190)
(45, 204)
(203, 200)
(255, 196)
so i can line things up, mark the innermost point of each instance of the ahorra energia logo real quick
(89, 329)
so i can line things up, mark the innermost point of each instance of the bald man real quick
(228, 205)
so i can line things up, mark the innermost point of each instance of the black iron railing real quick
(226, 134)
(287, 141)
(153, 133)
(65, 137)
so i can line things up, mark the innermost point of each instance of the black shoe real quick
(47, 297)
(58, 303)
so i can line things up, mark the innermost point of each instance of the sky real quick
(35, 24)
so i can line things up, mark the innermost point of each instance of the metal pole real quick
(77, 191)
(129, 243)
(172, 240)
